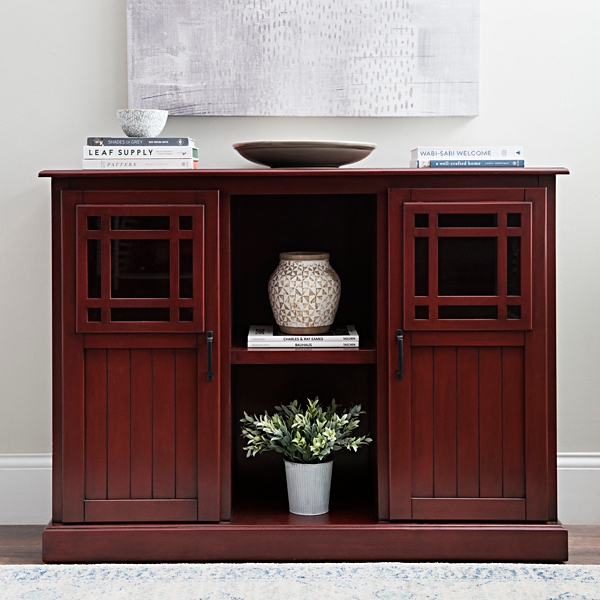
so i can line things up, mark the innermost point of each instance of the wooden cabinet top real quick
(318, 173)
(302, 181)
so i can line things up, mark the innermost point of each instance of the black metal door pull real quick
(400, 340)
(209, 365)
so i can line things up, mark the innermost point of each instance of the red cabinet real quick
(449, 279)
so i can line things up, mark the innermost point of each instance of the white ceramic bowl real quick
(142, 122)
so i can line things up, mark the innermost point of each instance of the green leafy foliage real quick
(308, 435)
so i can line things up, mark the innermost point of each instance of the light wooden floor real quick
(22, 544)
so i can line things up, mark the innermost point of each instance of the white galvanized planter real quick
(308, 487)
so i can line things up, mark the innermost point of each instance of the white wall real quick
(63, 74)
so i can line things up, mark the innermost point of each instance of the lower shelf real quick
(309, 540)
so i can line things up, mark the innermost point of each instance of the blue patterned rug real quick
(302, 581)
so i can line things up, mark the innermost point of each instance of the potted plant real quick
(307, 438)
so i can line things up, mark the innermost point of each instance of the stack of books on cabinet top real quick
(268, 336)
(459, 157)
(140, 153)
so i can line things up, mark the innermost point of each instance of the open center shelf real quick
(341, 225)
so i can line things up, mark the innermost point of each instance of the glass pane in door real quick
(94, 271)
(140, 268)
(467, 220)
(137, 222)
(513, 245)
(186, 269)
(421, 266)
(467, 266)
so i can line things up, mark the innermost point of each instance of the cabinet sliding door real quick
(468, 294)
(140, 392)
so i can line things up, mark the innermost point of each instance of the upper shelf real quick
(241, 355)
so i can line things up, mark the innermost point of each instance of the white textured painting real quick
(330, 58)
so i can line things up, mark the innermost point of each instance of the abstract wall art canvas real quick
(326, 58)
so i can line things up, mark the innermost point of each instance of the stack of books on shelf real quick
(268, 336)
(140, 153)
(459, 157)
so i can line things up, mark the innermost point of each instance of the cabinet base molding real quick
(357, 542)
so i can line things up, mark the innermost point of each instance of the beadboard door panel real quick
(467, 428)
(141, 429)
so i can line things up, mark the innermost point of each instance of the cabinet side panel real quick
(225, 465)
(95, 424)
(548, 182)
(394, 395)
(209, 396)
(141, 423)
(209, 502)
(119, 424)
(381, 456)
(72, 375)
(57, 341)
(537, 419)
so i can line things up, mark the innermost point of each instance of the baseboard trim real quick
(579, 460)
(25, 481)
(579, 488)
(25, 461)
(26, 484)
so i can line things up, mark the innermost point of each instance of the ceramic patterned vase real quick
(304, 292)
